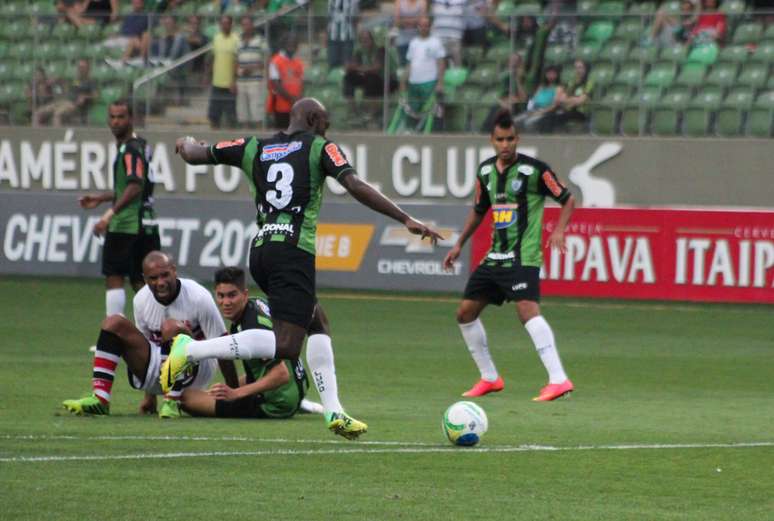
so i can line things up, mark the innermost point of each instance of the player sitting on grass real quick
(270, 388)
(164, 307)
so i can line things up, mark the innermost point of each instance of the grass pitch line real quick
(395, 450)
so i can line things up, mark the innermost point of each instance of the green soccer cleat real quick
(170, 409)
(344, 425)
(175, 363)
(89, 405)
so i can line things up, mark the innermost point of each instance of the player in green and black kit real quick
(129, 224)
(286, 174)
(514, 186)
(270, 388)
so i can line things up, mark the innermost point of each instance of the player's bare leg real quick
(543, 338)
(474, 334)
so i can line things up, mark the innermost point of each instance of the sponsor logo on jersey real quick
(276, 229)
(279, 150)
(526, 169)
(335, 154)
(552, 184)
(504, 215)
(233, 143)
(501, 256)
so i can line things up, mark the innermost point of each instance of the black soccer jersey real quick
(285, 174)
(516, 197)
(131, 166)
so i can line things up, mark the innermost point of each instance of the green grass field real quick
(671, 419)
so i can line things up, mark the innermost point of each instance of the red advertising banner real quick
(665, 254)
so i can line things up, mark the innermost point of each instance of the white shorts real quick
(251, 100)
(150, 382)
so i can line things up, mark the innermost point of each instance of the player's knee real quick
(465, 316)
(116, 324)
(288, 349)
(170, 328)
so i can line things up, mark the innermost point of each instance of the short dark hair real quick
(124, 102)
(503, 120)
(231, 275)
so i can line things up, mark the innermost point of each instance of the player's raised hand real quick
(183, 140)
(419, 228)
(453, 255)
(556, 241)
(89, 201)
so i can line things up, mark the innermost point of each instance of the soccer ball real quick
(464, 423)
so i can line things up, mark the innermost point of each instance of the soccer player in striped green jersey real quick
(514, 187)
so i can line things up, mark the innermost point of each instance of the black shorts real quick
(123, 253)
(287, 275)
(247, 407)
(496, 284)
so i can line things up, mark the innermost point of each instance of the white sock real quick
(311, 407)
(115, 299)
(475, 338)
(319, 358)
(543, 338)
(251, 343)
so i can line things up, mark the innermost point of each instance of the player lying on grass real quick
(270, 388)
(287, 173)
(164, 307)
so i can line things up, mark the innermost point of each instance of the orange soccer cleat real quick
(483, 387)
(553, 391)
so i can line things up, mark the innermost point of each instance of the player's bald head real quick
(308, 114)
(157, 258)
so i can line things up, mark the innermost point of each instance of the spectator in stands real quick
(251, 80)
(710, 26)
(196, 39)
(574, 102)
(449, 26)
(476, 14)
(41, 90)
(407, 15)
(670, 29)
(366, 70)
(84, 12)
(79, 96)
(513, 96)
(426, 66)
(546, 99)
(286, 82)
(223, 62)
(134, 32)
(342, 17)
(172, 44)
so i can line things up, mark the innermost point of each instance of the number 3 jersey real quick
(285, 174)
(516, 197)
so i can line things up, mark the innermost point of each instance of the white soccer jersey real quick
(194, 305)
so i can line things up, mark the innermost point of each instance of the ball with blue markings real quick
(464, 423)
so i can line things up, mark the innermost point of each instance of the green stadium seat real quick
(39, 32)
(768, 34)
(454, 77)
(472, 55)
(661, 75)
(101, 73)
(55, 69)
(760, 119)
(455, 117)
(315, 74)
(734, 54)
(208, 10)
(642, 8)
(731, 114)
(733, 7)
(527, 9)
(598, 32)
(643, 53)
(723, 75)
(44, 51)
(500, 53)
(612, 10)
(634, 117)
(20, 51)
(764, 53)
(602, 75)
(691, 75)
(697, 117)
(90, 32)
(110, 93)
(630, 30)
(770, 82)
(14, 31)
(706, 54)
(587, 52)
(753, 75)
(3, 50)
(63, 31)
(483, 75)
(585, 7)
(671, 6)
(747, 33)
(235, 9)
(630, 75)
(665, 119)
(41, 8)
(615, 51)
(335, 76)
(604, 116)
(12, 93)
(12, 9)
(567, 74)
(673, 54)
(557, 54)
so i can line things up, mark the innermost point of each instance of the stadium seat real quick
(747, 33)
(764, 53)
(642, 8)
(706, 54)
(315, 74)
(602, 75)
(208, 10)
(734, 54)
(673, 54)
(723, 75)
(691, 75)
(733, 7)
(604, 116)
(22, 71)
(665, 119)
(335, 76)
(643, 53)
(90, 32)
(14, 31)
(731, 114)
(671, 6)
(587, 52)
(41, 8)
(585, 7)
(63, 32)
(697, 117)
(634, 116)
(768, 34)
(598, 32)
(527, 9)
(630, 30)
(483, 75)
(661, 75)
(567, 74)
(610, 9)
(615, 51)
(44, 51)
(760, 120)
(557, 54)
(630, 75)
(753, 75)
(500, 53)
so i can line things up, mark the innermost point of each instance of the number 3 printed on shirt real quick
(282, 173)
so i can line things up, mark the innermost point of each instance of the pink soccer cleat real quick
(483, 387)
(553, 391)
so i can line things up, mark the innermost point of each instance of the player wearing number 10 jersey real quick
(285, 174)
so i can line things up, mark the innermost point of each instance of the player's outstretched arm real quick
(374, 199)
(193, 152)
(472, 222)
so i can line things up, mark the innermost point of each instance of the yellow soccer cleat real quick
(344, 425)
(170, 409)
(175, 363)
(89, 405)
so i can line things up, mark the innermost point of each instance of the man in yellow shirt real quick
(224, 64)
